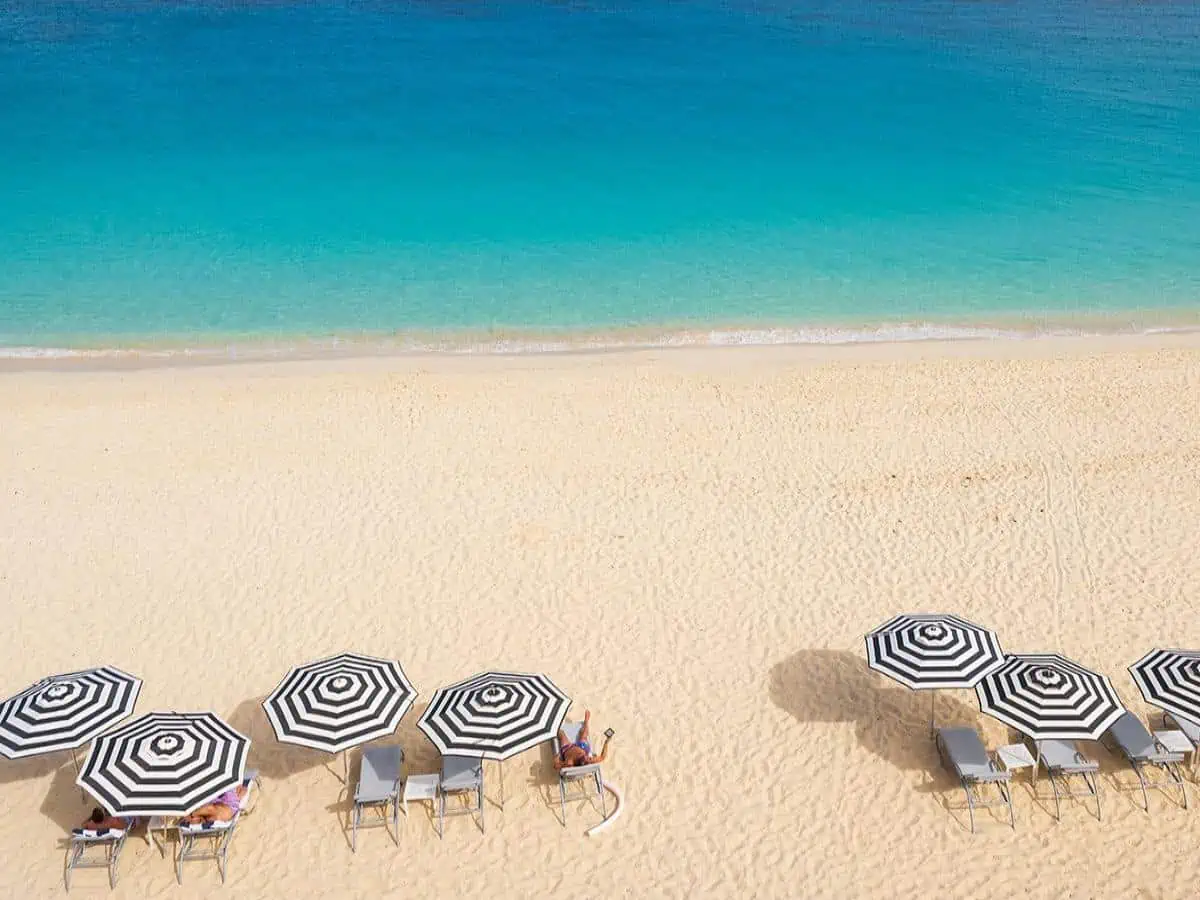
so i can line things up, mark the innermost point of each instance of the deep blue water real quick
(183, 169)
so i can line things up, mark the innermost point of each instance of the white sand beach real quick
(691, 543)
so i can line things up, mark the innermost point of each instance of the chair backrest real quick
(571, 730)
(1132, 737)
(381, 765)
(965, 750)
(461, 772)
(1058, 754)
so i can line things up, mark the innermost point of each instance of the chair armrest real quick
(578, 771)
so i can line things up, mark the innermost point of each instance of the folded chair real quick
(577, 773)
(961, 750)
(83, 840)
(378, 785)
(1129, 737)
(212, 841)
(461, 775)
(1064, 762)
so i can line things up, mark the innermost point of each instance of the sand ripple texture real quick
(691, 542)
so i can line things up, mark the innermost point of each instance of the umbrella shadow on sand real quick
(272, 758)
(890, 721)
(65, 804)
(13, 770)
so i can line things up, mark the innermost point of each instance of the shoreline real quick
(240, 350)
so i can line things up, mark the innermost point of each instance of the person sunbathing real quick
(579, 753)
(100, 822)
(222, 809)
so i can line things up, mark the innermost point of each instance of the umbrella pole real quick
(75, 759)
(932, 700)
(501, 785)
(346, 766)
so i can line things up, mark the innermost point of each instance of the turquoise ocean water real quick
(206, 171)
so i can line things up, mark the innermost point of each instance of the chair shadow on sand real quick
(890, 721)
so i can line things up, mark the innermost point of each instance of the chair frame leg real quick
(1142, 781)
(1177, 777)
(1094, 787)
(73, 853)
(114, 857)
(1057, 804)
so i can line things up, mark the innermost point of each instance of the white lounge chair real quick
(1064, 762)
(378, 785)
(1129, 737)
(85, 840)
(963, 751)
(218, 836)
(577, 774)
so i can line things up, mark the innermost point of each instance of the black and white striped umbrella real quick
(1170, 679)
(164, 764)
(64, 712)
(340, 702)
(1048, 697)
(933, 651)
(494, 715)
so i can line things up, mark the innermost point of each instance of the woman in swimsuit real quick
(222, 809)
(580, 752)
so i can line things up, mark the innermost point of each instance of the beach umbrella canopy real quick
(494, 715)
(64, 712)
(1047, 697)
(340, 702)
(927, 651)
(164, 764)
(1170, 679)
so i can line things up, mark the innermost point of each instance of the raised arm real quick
(603, 754)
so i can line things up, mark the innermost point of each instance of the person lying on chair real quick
(222, 809)
(578, 753)
(100, 822)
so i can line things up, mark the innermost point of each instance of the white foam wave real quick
(466, 344)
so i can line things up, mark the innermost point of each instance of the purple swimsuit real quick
(230, 799)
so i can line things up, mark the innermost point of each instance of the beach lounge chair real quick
(1064, 762)
(963, 751)
(82, 844)
(577, 774)
(461, 775)
(1129, 737)
(202, 842)
(378, 785)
